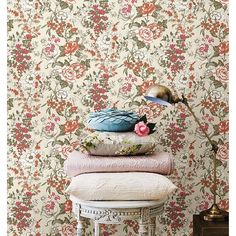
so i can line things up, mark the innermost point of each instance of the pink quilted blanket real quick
(80, 163)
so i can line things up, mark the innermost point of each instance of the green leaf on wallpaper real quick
(86, 63)
(78, 53)
(71, 7)
(140, 44)
(63, 5)
(135, 24)
(220, 142)
(66, 63)
(221, 63)
(134, 103)
(143, 23)
(67, 142)
(59, 63)
(78, 132)
(125, 229)
(211, 63)
(10, 25)
(163, 23)
(216, 129)
(216, 53)
(9, 103)
(61, 51)
(57, 221)
(217, 84)
(63, 83)
(10, 182)
(217, 5)
(218, 163)
(82, 47)
(59, 142)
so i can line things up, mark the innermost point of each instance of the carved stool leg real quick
(143, 229)
(152, 226)
(81, 221)
(143, 223)
(80, 227)
(97, 228)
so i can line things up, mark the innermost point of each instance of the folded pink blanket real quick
(80, 163)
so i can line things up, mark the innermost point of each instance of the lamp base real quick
(214, 213)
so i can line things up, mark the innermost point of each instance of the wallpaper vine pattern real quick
(67, 58)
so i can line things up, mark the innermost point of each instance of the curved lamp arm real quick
(213, 144)
(162, 95)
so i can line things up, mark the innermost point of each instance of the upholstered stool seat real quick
(115, 212)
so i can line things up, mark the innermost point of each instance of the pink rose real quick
(222, 73)
(73, 72)
(67, 230)
(223, 152)
(145, 34)
(141, 129)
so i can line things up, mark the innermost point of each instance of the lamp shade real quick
(161, 95)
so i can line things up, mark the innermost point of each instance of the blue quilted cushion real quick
(113, 120)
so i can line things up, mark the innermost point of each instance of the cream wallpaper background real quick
(69, 58)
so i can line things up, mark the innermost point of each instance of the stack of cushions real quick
(114, 163)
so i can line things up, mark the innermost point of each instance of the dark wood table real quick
(208, 228)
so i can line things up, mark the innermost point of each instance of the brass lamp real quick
(162, 95)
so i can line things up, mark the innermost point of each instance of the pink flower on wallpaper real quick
(203, 206)
(126, 9)
(65, 150)
(146, 110)
(223, 152)
(222, 73)
(126, 88)
(67, 230)
(145, 34)
(50, 207)
(51, 50)
(204, 51)
(141, 129)
(49, 127)
(73, 72)
(150, 32)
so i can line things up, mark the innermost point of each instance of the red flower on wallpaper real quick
(145, 85)
(223, 47)
(223, 126)
(73, 72)
(147, 8)
(70, 126)
(68, 205)
(71, 47)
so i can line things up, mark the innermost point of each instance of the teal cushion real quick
(113, 120)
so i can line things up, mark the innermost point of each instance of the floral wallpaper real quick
(67, 58)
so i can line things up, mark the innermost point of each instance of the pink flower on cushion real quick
(141, 129)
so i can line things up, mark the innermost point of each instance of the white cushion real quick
(117, 144)
(120, 186)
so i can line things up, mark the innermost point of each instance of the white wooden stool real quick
(115, 212)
